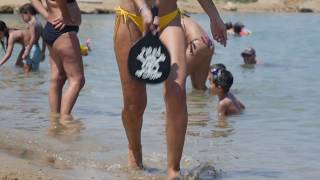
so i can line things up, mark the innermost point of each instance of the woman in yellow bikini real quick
(134, 19)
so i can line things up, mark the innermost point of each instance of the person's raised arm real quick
(37, 4)
(218, 27)
(8, 52)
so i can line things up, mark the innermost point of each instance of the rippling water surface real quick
(276, 138)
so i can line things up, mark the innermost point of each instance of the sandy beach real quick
(107, 6)
(12, 168)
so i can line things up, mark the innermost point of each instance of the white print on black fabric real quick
(150, 59)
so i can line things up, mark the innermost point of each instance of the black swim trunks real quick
(50, 34)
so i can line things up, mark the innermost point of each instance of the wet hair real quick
(237, 27)
(217, 66)
(5, 30)
(27, 8)
(223, 78)
(229, 25)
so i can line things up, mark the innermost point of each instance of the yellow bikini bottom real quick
(165, 20)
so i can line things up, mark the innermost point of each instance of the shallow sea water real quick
(277, 137)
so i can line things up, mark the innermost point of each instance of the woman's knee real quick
(135, 106)
(175, 91)
(78, 81)
(58, 79)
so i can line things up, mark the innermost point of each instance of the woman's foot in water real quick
(174, 175)
(135, 159)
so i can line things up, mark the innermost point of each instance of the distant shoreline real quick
(107, 6)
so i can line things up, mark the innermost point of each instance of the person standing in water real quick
(133, 20)
(33, 54)
(60, 34)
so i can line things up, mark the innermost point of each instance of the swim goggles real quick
(216, 73)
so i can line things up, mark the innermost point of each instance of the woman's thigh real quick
(173, 38)
(68, 48)
(125, 36)
(56, 66)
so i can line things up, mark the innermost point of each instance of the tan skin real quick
(65, 56)
(249, 58)
(35, 29)
(228, 103)
(15, 36)
(198, 53)
(134, 92)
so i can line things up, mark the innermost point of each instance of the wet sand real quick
(12, 168)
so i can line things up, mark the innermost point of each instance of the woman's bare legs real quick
(57, 81)
(198, 64)
(175, 96)
(66, 65)
(69, 51)
(134, 93)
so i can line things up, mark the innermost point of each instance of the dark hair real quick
(5, 30)
(217, 66)
(229, 25)
(237, 27)
(224, 79)
(27, 8)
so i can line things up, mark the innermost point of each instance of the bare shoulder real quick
(15, 34)
(223, 105)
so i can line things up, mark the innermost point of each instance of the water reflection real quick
(201, 121)
(198, 109)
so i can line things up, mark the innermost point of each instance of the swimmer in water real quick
(221, 81)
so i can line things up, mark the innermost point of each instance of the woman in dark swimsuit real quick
(60, 33)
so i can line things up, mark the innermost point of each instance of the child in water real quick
(11, 36)
(31, 54)
(221, 81)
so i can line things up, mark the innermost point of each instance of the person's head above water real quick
(237, 27)
(229, 25)
(214, 67)
(27, 11)
(222, 78)
(249, 56)
(217, 66)
(4, 33)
